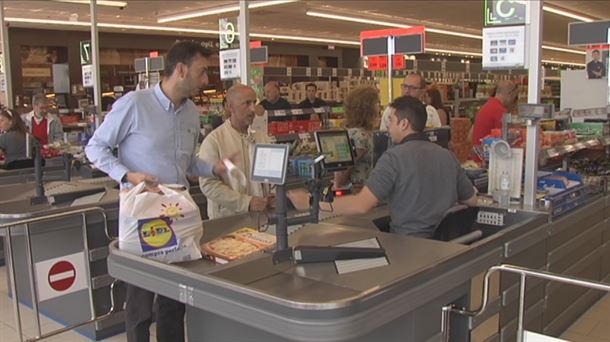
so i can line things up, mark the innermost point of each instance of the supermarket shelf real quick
(563, 150)
(298, 111)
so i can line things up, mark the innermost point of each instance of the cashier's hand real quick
(258, 204)
(299, 198)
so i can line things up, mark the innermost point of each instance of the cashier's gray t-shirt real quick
(13, 144)
(421, 181)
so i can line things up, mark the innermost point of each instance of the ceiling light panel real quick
(219, 10)
(98, 2)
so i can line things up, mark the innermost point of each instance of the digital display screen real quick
(336, 148)
(269, 165)
(409, 44)
(375, 46)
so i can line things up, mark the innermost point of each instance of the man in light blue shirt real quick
(156, 132)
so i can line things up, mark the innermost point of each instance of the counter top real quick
(15, 201)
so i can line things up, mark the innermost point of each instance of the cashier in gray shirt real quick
(419, 179)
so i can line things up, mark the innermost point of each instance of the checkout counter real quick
(257, 298)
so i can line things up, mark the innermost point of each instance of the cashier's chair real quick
(456, 222)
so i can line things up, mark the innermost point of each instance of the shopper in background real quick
(273, 100)
(156, 132)
(595, 68)
(312, 101)
(413, 85)
(490, 115)
(13, 143)
(419, 179)
(361, 114)
(433, 98)
(228, 195)
(41, 124)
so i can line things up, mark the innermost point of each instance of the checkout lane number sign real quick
(60, 276)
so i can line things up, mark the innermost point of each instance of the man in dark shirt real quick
(419, 179)
(595, 68)
(273, 100)
(312, 101)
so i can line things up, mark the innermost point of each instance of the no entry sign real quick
(61, 276)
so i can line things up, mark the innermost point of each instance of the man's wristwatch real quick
(124, 179)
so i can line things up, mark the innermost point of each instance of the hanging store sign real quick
(504, 12)
(229, 34)
(87, 72)
(85, 52)
(402, 41)
(504, 47)
(61, 276)
(229, 64)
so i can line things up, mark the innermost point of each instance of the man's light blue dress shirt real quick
(152, 137)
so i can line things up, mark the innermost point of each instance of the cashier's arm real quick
(360, 203)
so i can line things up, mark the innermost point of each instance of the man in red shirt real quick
(41, 124)
(490, 115)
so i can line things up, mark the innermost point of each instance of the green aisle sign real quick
(504, 12)
(85, 52)
(229, 35)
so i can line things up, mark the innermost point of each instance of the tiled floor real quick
(8, 332)
(593, 326)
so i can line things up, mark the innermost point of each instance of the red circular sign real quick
(62, 275)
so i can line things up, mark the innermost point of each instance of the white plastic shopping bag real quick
(163, 226)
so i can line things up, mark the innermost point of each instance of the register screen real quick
(270, 163)
(335, 148)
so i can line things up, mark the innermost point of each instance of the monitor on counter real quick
(336, 148)
(270, 163)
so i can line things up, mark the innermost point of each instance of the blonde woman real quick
(361, 116)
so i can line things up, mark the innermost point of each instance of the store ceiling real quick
(291, 19)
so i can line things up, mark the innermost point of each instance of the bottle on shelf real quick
(505, 186)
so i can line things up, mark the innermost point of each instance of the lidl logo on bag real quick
(156, 233)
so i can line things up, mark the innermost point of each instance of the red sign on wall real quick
(398, 62)
(377, 63)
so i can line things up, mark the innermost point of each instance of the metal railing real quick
(33, 281)
(523, 272)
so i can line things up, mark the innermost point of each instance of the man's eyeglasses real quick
(410, 87)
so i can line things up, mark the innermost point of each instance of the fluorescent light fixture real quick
(98, 2)
(548, 61)
(454, 52)
(157, 28)
(219, 10)
(387, 23)
(47, 21)
(306, 39)
(554, 48)
(566, 14)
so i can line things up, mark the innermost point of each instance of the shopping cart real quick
(523, 272)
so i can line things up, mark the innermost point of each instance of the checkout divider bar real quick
(33, 288)
(523, 272)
